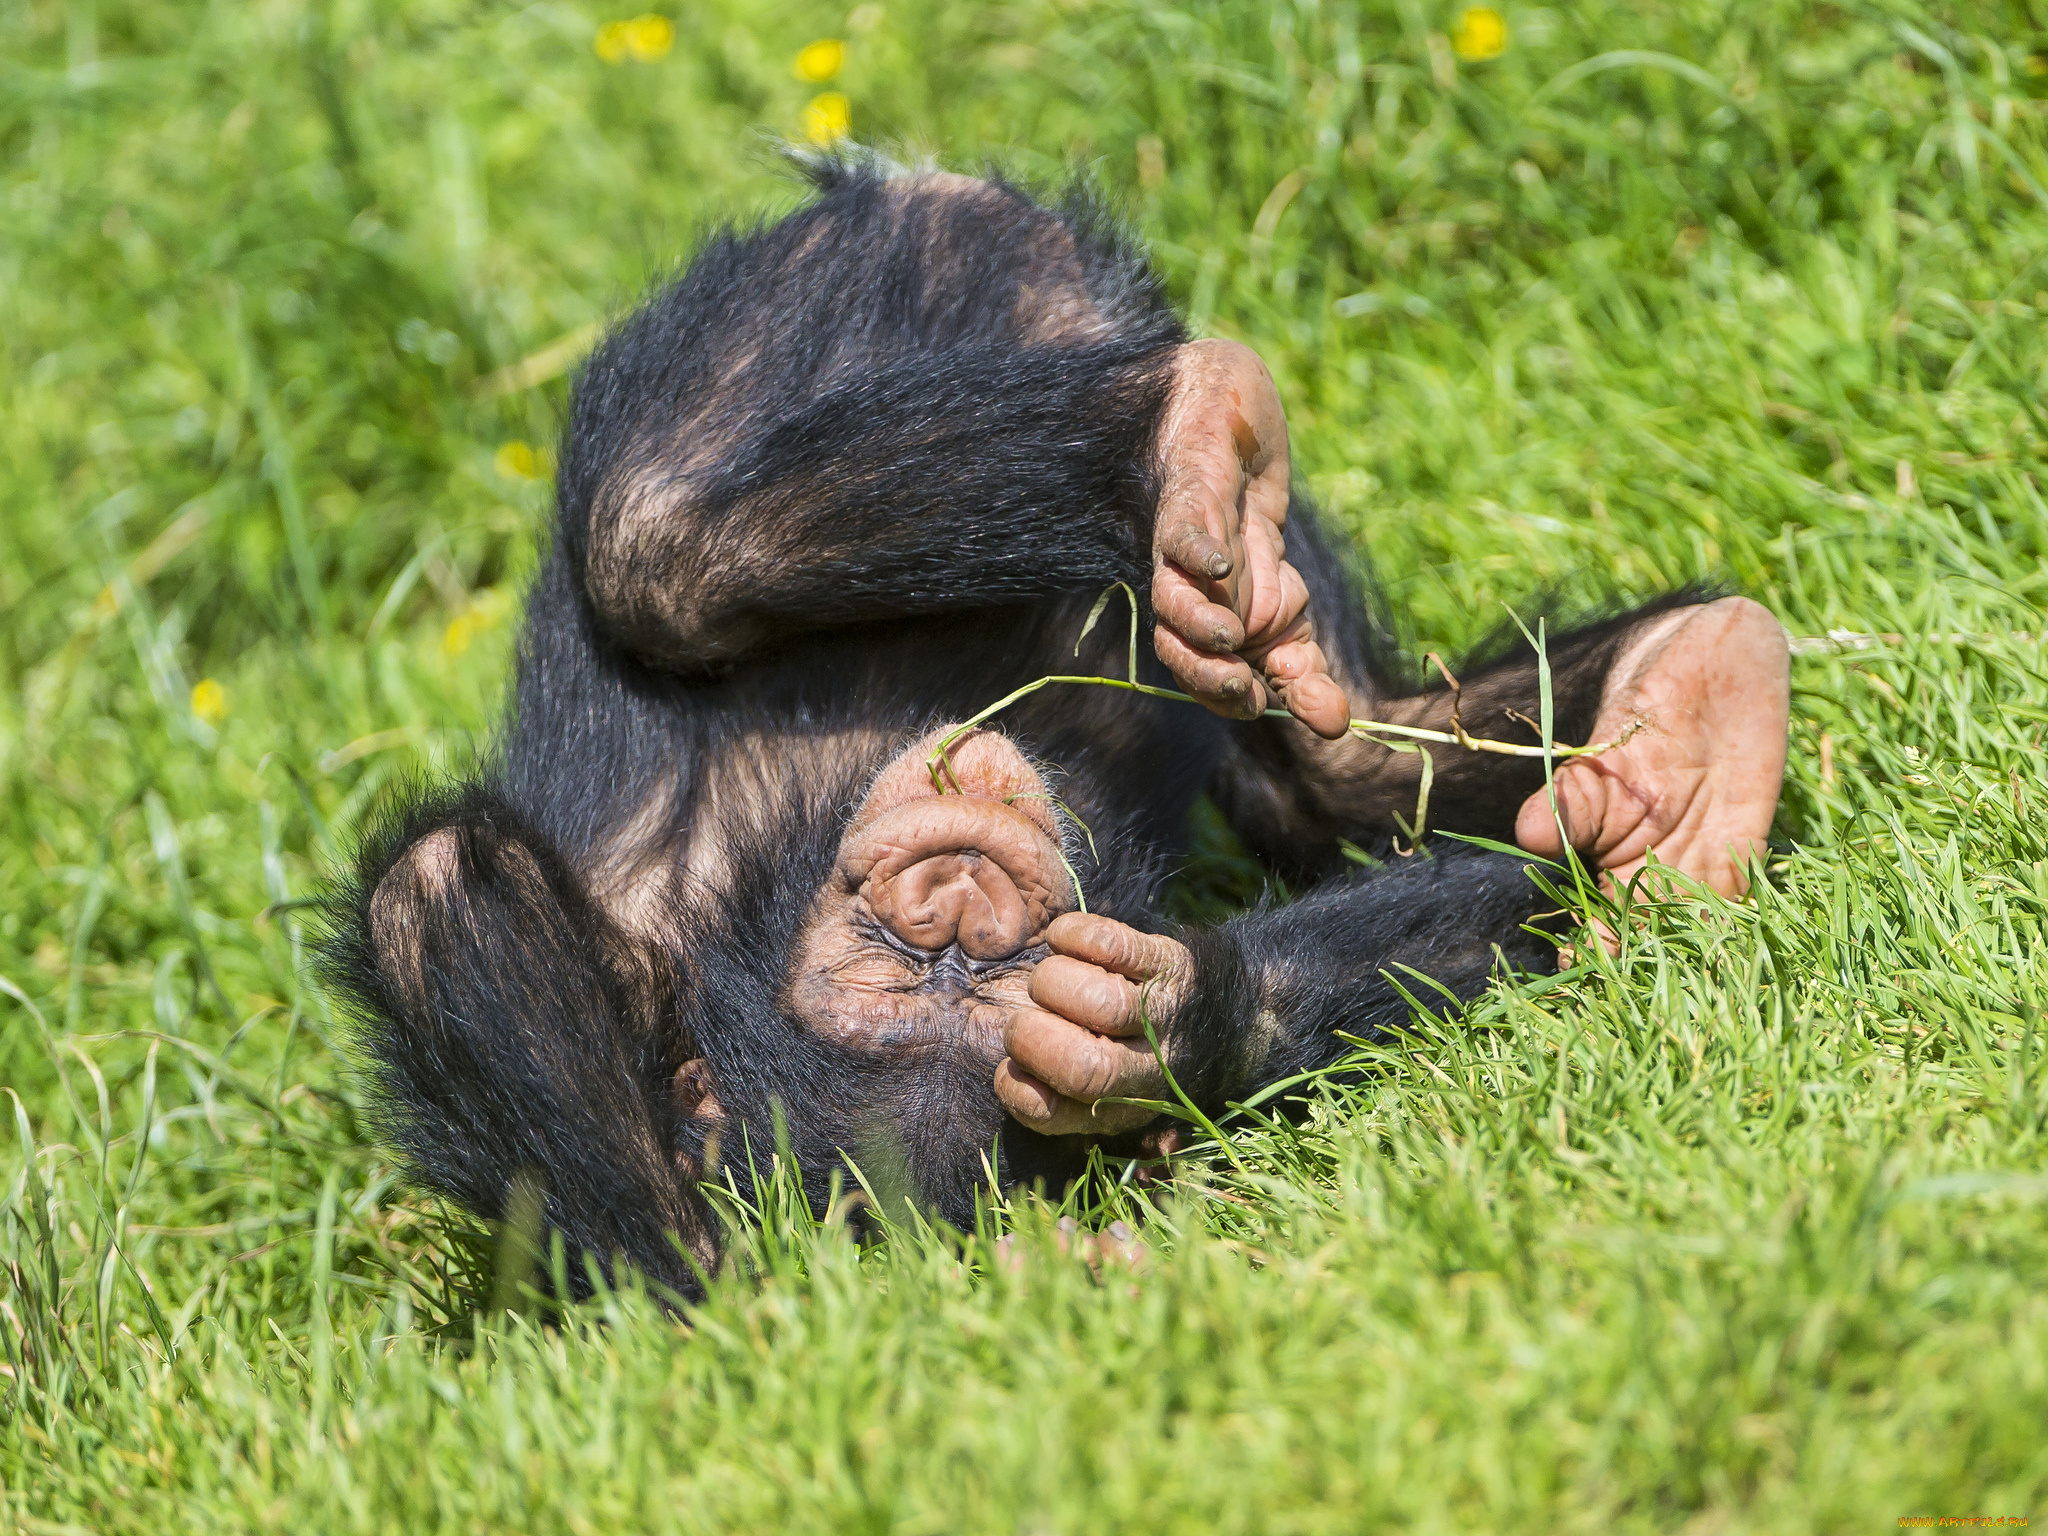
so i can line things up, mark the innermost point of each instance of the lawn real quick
(1745, 1229)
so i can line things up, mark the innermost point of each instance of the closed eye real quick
(869, 931)
(1023, 960)
(923, 963)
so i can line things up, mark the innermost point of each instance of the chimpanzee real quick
(857, 474)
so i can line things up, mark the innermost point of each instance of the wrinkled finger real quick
(1319, 702)
(1118, 947)
(1282, 611)
(1300, 673)
(1295, 658)
(1270, 595)
(1024, 1096)
(1193, 613)
(1192, 547)
(1225, 684)
(1296, 669)
(1268, 493)
(1077, 1064)
(1035, 1106)
(1581, 804)
(1086, 994)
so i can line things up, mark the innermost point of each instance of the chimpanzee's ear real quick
(693, 1092)
(695, 1101)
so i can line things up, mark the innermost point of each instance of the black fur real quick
(858, 473)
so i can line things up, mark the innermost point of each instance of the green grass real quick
(1746, 1230)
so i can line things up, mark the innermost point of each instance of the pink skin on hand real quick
(1083, 1037)
(1234, 628)
(1708, 690)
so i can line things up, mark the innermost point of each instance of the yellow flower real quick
(517, 461)
(650, 37)
(645, 38)
(484, 610)
(1481, 33)
(209, 701)
(828, 119)
(820, 61)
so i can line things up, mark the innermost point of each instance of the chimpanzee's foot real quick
(1084, 1039)
(1708, 690)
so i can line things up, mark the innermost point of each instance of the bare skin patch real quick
(631, 873)
(423, 897)
(745, 787)
(1053, 306)
(1059, 314)
(421, 884)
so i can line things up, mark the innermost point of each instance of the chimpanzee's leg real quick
(1340, 959)
(916, 395)
(1265, 995)
(506, 1035)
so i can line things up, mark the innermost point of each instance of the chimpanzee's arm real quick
(915, 394)
(1264, 996)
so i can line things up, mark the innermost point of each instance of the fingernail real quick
(1219, 565)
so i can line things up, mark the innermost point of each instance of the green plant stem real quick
(1365, 730)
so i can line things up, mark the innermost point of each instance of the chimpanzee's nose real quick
(958, 869)
(959, 898)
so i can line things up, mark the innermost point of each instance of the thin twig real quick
(1364, 730)
(1457, 702)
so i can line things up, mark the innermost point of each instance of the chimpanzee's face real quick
(935, 912)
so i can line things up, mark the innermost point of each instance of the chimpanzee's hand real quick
(1085, 1039)
(1234, 625)
(1708, 689)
